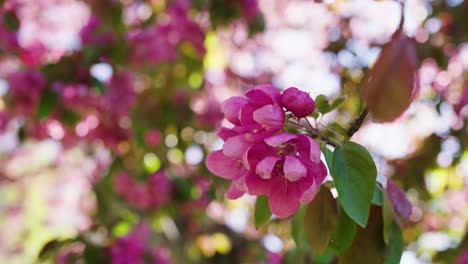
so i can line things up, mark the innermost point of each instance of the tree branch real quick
(356, 124)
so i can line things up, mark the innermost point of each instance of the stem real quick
(356, 124)
(312, 132)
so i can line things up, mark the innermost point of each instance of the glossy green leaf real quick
(328, 157)
(320, 221)
(355, 175)
(377, 198)
(396, 245)
(344, 234)
(262, 211)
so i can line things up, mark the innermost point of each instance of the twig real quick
(356, 124)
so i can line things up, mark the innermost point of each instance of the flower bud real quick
(298, 102)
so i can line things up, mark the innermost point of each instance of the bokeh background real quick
(109, 107)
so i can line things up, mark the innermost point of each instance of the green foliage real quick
(344, 234)
(47, 104)
(368, 245)
(262, 211)
(355, 175)
(322, 104)
(320, 221)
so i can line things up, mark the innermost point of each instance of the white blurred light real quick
(3, 87)
(435, 241)
(102, 71)
(237, 219)
(194, 154)
(171, 141)
(272, 243)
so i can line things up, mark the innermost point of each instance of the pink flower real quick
(298, 102)
(25, 90)
(260, 112)
(144, 195)
(152, 137)
(131, 248)
(287, 168)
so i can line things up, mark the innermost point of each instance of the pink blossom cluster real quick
(260, 157)
(25, 88)
(160, 41)
(133, 248)
(144, 195)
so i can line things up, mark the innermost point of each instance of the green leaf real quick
(51, 247)
(328, 157)
(377, 199)
(47, 104)
(338, 101)
(99, 86)
(262, 211)
(396, 245)
(388, 216)
(69, 117)
(321, 103)
(368, 245)
(355, 175)
(344, 234)
(297, 227)
(320, 221)
(338, 128)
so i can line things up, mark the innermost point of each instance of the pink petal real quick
(294, 169)
(266, 166)
(271, 90)
(236, 146)
(256, 185)
(308, 148)
(224, 166)
(281, 204)
(225, 133)
(259, 97)
(279, 139)
(246, 114)
(233, 193)
(232, 107)
(398, 198)
(271, 117)
(309, 194)
(314, 149)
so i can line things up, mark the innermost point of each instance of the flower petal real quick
(309, 194)
(259, 97)
(231, 108)
(246, 114)
(294, 169)
(270, 117)
(308, 147)
(266, 166)
(256, 185)
(236, 146)
(225, 133)
(279, 139)
(233, 193)
(281, 203)
(271, 90)
(224, 166)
